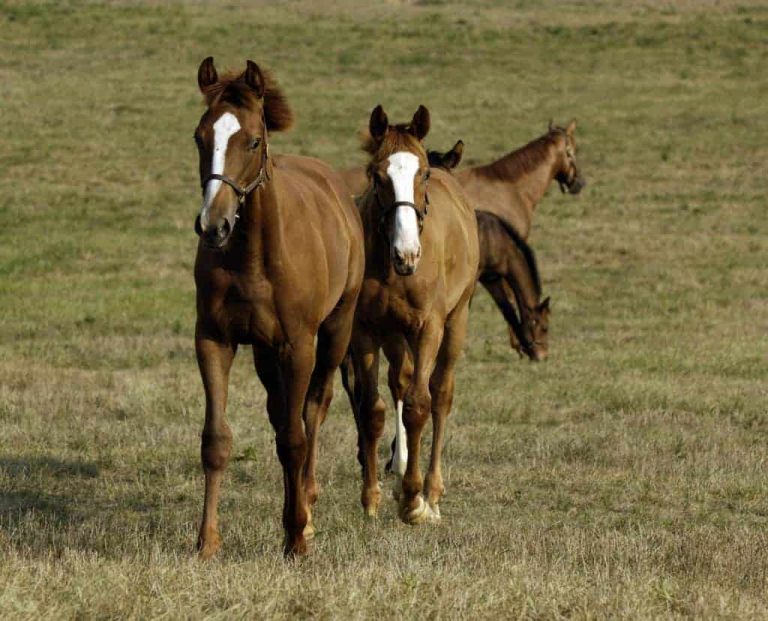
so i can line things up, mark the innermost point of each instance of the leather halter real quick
(243, 191)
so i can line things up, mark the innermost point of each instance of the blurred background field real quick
(626, 476)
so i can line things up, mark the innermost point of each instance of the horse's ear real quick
(544, 306)
(206, 74)
(254, 78)
(420, 123)
(571, 127)
(378, 124)
(453, 157)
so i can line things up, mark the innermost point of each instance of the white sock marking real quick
(223, 129)
(400, 454)
(402, 170)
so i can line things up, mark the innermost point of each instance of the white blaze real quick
(400, 453)
(402, 170)
(223, 129)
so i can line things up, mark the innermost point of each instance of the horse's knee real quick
(373, 419)
(416, 408)
(292, 451)
(216, 447)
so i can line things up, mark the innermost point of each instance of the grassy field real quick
(626, 476)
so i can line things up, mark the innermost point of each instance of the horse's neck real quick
(521, 280)
(262, 220)
(533, 183)
(376, 246)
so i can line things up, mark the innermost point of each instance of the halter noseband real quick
(420, 215)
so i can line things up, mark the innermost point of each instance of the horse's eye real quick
(426, 175)
(254, 144)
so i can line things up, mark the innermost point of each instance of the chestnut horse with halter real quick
(421, 265)
(279, 266)
(509, 272)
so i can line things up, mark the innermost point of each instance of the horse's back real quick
(356, 179)
(495, 196)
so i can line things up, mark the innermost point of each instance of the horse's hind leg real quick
(332, 344)
(441, 389)
(215, 361)
(399, 376)
(371, 412)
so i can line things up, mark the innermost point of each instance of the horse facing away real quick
(279, 266)
(513, 185)
(420, 273)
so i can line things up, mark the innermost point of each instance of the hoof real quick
(208, 545)
(371, 500)
(295, 549)
(422, 513)
(372, 511)
(309, 531)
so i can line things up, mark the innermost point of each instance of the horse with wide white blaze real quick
(421, 264)
(279, 267)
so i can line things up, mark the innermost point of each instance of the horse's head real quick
(232, 144)
(399, 172)
(567, 175)
(448, 160)
(534, 327)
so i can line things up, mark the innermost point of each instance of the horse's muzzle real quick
(577, 185)
(214, 235)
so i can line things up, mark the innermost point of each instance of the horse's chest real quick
(392, 308)
(242, 310)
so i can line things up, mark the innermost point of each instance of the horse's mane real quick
(525, 249)
(525, 159)
(232, 89)
(398, 138)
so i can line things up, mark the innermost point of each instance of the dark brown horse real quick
(509, 272)
(512, 186)
(421, 265)
(279, 267)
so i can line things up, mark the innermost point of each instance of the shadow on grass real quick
(52, 505)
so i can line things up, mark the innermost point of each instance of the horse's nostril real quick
(225, 228)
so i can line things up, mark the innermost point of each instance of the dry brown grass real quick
(625, 477)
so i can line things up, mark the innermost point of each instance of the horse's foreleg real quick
(416, 409)
(215, 361)
(371, 413)
(332, 344)
(504, 297)
(296, 362)
(441, 389)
